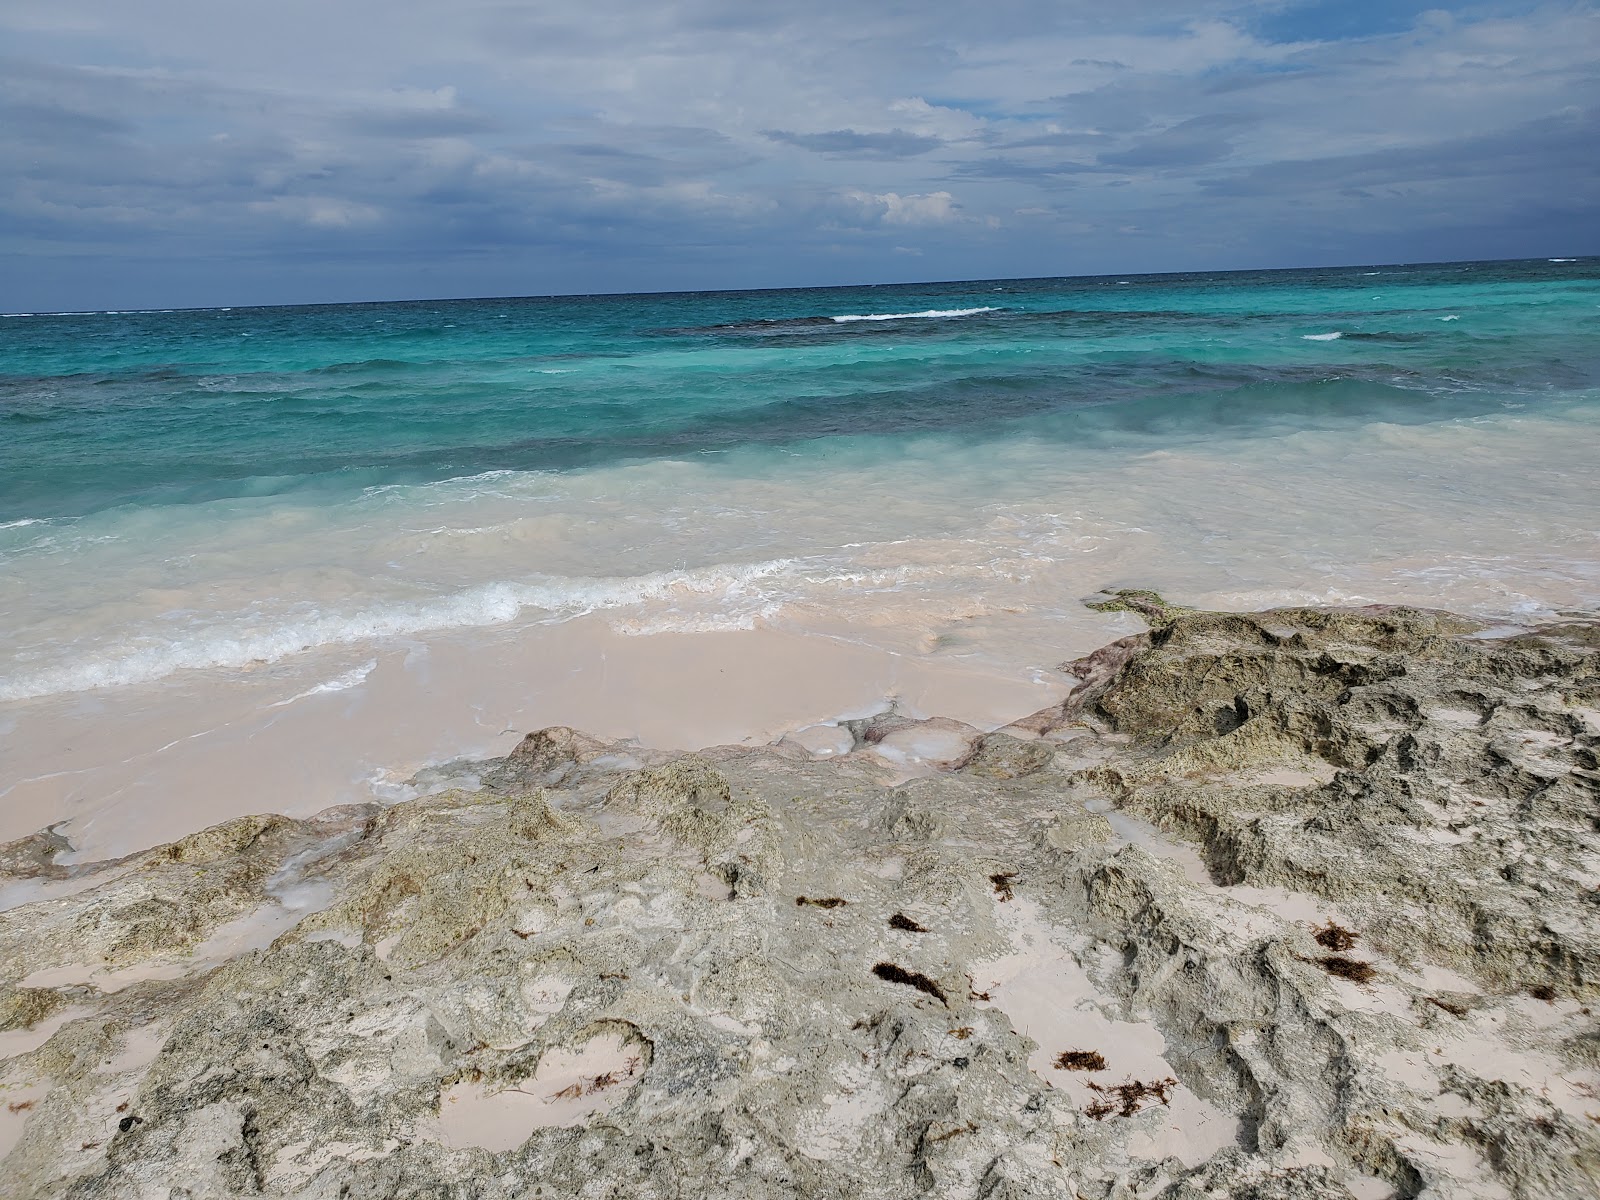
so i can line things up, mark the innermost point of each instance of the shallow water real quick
(370, 508)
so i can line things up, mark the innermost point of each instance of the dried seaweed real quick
(597, 1083)
(901, 921)
(1080, 1060)
(1002, 884)
(1334, 937)
(1347, 968)
(822, 902)
(893, 974)
(1128, 1098)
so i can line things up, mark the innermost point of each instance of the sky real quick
(210, 152)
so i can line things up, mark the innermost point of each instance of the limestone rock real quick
(1298, 905)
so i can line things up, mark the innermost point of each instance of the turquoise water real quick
(165, 408)
(215, 489)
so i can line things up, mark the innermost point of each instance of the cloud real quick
(414, 149)
(934, 208)
(847, 143)
(421, 123)
(48, 123)
(1197, 142)
(319, 212)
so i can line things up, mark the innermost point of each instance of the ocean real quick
(235, 513)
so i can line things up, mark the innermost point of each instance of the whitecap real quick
(1561, 260)
(1321, 337)
(907, 316)
(1451, 317)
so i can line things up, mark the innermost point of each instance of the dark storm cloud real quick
(385, 147)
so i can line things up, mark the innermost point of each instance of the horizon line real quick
(109, 312)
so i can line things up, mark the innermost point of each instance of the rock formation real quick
(1302, 903)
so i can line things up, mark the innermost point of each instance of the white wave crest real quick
(354, 677)
(242, 640)
(1321, 337)
(932, 312)
(1451, 317)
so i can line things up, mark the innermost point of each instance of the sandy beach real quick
(152, 764)
(719, 601)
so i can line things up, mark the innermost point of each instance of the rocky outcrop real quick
(1279, 905)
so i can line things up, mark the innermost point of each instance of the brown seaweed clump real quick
(823, 902)
(1080, 1060)
(902, 922)
(1347, 968)
(1128, 1098)
(1334, 937)
(894, 974)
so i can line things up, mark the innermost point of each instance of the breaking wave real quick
(239, 640)
(846, 318)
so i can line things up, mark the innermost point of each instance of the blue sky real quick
(191, 152)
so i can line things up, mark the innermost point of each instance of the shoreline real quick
(122, 768)
(151, 763)
(1235, 912)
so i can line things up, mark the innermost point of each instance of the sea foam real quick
(352, 678)
(239, 640)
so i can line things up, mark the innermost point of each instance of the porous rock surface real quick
(1289, 904)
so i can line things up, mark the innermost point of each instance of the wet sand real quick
(123, 769)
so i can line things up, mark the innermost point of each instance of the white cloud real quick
(932, 208)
